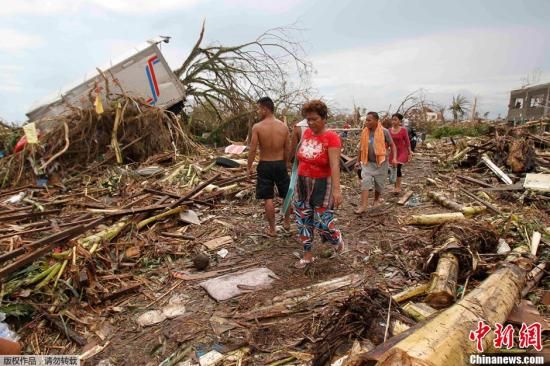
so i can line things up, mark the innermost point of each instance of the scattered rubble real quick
(163, 261)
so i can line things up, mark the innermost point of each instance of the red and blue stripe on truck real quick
(150, 71)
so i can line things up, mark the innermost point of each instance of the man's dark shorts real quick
(272, 173)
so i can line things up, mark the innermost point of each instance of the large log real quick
(445, 339)
(436, 219)
(447, 202)
(442, 291)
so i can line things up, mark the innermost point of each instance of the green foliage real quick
(472, 130)
(17, 310)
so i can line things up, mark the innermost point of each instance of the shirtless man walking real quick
(272, 137)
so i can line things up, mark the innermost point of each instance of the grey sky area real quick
(371, 53)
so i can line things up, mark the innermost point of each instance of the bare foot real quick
(378, 202)
(270, 233)
(360, 210)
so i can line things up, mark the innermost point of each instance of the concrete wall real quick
(523, 104)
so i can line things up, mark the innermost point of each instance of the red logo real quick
(529, 335)
(504, 336)
(478, 335)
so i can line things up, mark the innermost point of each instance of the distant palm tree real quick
(459, 106)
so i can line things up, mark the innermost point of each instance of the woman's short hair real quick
(374, 114)
(398, 115)
(316, 106)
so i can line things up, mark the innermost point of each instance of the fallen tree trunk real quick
(411, 292)
(436, 219)
(444, 339)
(442, 291)
(446, 202)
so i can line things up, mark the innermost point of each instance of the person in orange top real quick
(375, 146)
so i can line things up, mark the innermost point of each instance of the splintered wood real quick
(218, 242)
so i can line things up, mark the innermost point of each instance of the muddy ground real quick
(388, 253)
(378, 230)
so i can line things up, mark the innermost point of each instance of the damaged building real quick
(529, 103)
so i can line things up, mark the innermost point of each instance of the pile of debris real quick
(129, 131)
(166, 253)
(8, 138)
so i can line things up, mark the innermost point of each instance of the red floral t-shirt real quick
(313, 153)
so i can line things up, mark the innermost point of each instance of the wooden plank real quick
(405, 197)
(506, 179)
(473, 180)
(218, 242)
(504, 187)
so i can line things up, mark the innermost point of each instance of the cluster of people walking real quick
(313, 190)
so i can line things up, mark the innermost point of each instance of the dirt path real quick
(375, 243)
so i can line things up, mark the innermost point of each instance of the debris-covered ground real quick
(163, 261)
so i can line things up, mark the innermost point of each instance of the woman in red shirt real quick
(400, 137)
(318, 186)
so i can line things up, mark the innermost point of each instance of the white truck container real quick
(144, 74)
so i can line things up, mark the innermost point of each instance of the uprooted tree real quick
(223, 82)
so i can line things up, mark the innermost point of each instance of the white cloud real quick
(483, 62)
(8, 78)
(144, 6)
(36, 7)
(13, 40)
(280, 6)
(49, 7)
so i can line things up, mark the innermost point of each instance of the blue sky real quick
(372, 53)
